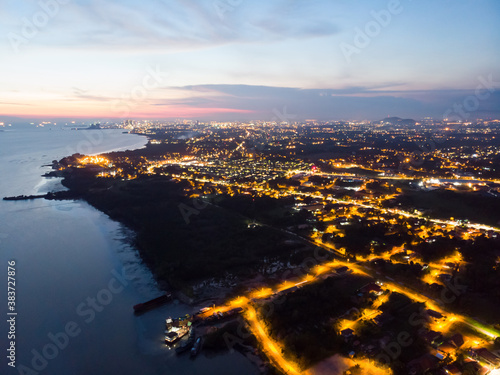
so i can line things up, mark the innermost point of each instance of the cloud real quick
(171, 25)
(80, 94)
(21, 104)
(325, 104)
(277, 48)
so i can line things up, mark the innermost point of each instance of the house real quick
(347, 333)
(422, 364)
(485, 356)
(451, 344)
(471, 365)
(452, 370)
(438, 355)
(447, 348)
(434, 314)
(371, 288)
(457, 339)
(432, 337)
(342, 270)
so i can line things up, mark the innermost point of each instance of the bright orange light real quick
(273, 349)
(318, 270)
(239, 302)
(261, 293)
(285, 285)
(98, 160)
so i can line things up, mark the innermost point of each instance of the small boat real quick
(188, 344)
(185, 346)
(196, 347)
(171, 338)
(176, 329)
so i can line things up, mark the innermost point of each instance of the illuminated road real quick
(274, 350)
(450, 319)
(414, 295)
(318, 195)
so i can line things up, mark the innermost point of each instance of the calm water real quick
(69, 254)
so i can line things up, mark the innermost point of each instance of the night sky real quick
(249, 59)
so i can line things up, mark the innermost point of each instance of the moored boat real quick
(188, 344)
(141, 307)
(196, 347)
(177, 329)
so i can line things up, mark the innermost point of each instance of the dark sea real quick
(77, 276)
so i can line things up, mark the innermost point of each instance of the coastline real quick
(132, 202)
(135, 147)
(97, 198)
(71, 194)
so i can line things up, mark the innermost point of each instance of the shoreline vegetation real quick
(213, 255)
(59, 195)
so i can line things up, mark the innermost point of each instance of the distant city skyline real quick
(242, 60)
